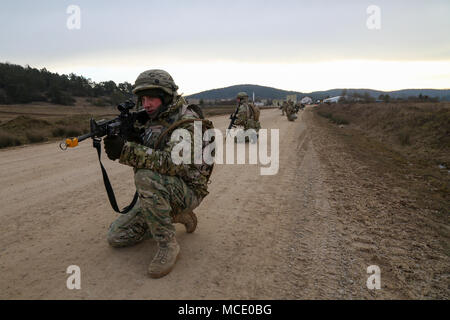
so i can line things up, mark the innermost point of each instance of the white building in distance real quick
(332, 100)
(306, 100)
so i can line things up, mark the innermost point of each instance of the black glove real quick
(135, 136)
(113, 146)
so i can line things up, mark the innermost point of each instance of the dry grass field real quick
(31, 123)
(38, 122)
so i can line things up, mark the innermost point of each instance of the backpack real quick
(255, 111)
(206, 124)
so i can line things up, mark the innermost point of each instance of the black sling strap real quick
(108, 187)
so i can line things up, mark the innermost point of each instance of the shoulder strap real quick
(197, 110)
(255, 111)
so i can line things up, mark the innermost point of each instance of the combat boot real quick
(189, 219)
(165, 258)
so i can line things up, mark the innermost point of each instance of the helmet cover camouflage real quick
(242, 95)
(155, 79)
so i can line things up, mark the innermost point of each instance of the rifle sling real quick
(108, 187)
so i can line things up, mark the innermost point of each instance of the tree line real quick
(25, 84)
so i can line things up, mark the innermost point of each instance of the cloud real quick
(122, 37)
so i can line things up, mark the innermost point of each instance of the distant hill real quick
(26, 84)
(231, 92)
(263, 92)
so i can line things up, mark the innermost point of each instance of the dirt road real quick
(288, 236)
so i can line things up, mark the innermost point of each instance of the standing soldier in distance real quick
(168, 192)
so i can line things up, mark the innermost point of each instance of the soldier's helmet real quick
(155, 80)
(242, 95)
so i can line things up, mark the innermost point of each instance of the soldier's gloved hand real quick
(135, 136)
(113, 146)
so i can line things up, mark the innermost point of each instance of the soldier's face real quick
(151, 104)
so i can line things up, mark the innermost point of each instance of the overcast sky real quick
(293, 45)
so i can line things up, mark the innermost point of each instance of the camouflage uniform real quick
(290, 111)
(283, 108)
(245, 116)
(166, 191)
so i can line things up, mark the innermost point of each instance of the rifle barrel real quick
(234, 116)
(86, 136)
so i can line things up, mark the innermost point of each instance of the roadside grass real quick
(333, 118)
(36, 136)
(218, 110)
(212, 110)
(411, 140)
(26, 129)
(8, 140)
(419, 130)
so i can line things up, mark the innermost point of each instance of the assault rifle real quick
(233, 116)
(123, 126)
